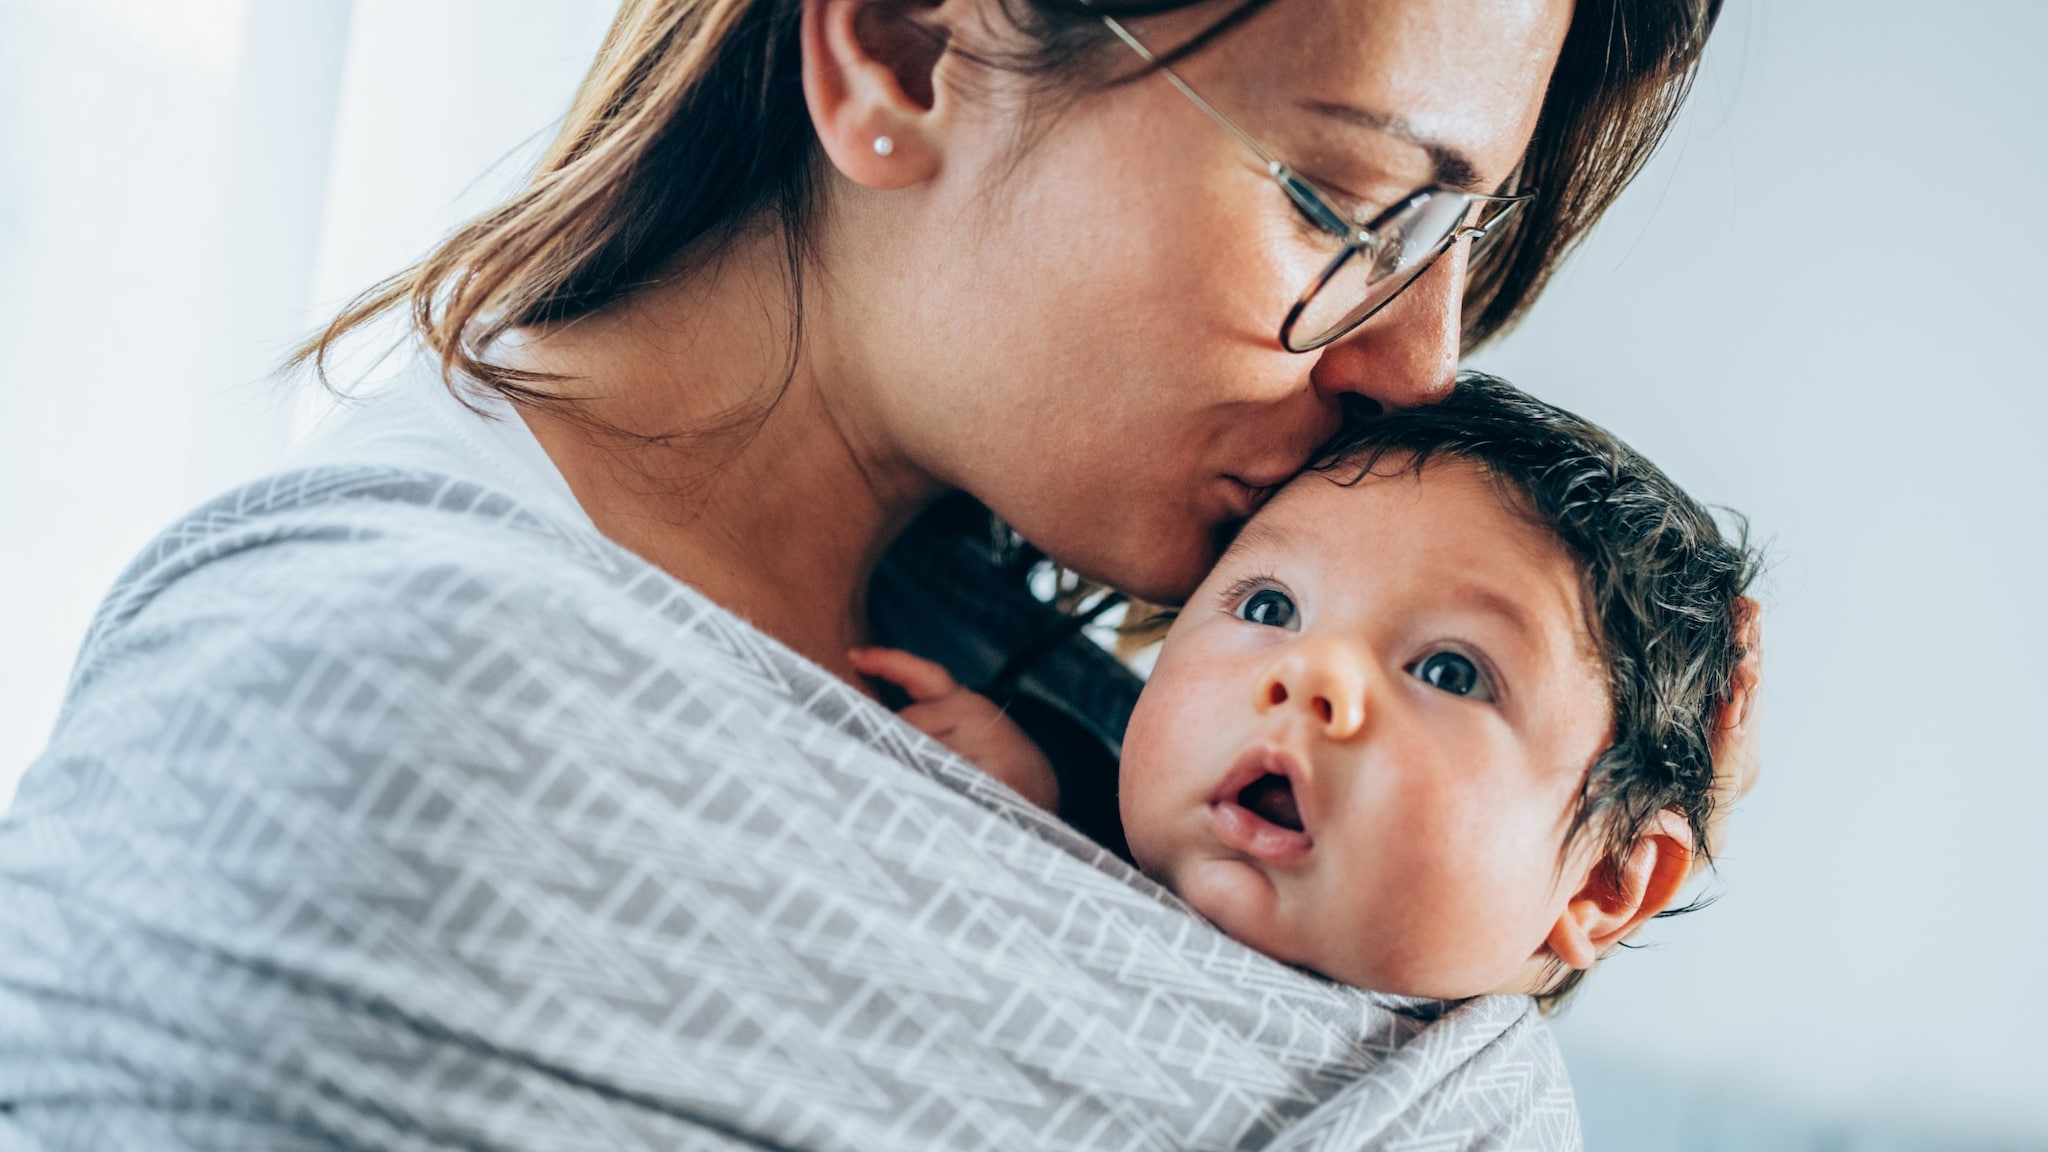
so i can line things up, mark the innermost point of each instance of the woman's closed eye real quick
(1455, 673)
(1314, 231)
(1348, 215)
(1351, 211)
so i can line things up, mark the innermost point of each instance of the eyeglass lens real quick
(1369, 275)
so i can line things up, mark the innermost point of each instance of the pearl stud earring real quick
(884, 146)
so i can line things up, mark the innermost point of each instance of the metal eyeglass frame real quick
(1365, 238)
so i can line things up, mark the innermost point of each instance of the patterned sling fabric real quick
(384, 812)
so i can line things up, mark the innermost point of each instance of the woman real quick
(500, 779)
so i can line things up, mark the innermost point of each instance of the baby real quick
(1438, 723)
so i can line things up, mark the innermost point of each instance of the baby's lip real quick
(1249, 832)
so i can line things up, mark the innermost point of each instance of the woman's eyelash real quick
(1353, 209)
(1312, 230)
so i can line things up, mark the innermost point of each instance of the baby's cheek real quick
(1176, 751)
(1420, 941)
(1172, 724)
(1442, 891)
(1493, 877)
(1143, 785)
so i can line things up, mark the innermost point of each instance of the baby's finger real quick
(923, 679)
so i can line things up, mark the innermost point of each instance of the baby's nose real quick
(1321, 681)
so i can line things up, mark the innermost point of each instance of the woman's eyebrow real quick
(1454, 169)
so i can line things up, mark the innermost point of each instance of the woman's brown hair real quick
(692, 124)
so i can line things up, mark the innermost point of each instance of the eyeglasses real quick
(1380, 257)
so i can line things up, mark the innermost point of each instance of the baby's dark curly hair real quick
(1661, 585)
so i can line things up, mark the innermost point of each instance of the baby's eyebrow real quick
(1507, 609)
(1257, 535)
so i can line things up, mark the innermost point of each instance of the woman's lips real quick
(1248, 830)
(1247, 497)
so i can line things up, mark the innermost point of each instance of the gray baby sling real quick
(385, 812)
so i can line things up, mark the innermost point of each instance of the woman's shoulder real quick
(333, 543)
(417, 603)
(447, 603)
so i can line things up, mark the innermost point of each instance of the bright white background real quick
(1823, 306)
(1818, 306)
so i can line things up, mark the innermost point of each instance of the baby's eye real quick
(1268, 606)
(1454, 673)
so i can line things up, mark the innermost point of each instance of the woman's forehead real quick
(1455, 84)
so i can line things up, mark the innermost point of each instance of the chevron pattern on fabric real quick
(384, 812)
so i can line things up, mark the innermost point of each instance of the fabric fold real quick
(386, 811)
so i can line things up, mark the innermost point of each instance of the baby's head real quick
(1438, 722)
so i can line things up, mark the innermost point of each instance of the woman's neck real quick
(777, 502)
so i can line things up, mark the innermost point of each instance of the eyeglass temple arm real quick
(1504, 206)
(1279, 171)
(1273, 165)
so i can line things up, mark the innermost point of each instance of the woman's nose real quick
(1407, 354)
(1324, 681)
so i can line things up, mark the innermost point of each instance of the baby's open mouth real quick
(1257, 810)
(1272, 797)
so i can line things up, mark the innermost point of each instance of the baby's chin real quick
(1244, 902)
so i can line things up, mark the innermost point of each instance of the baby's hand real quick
(967, 722)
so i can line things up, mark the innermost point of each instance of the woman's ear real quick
(869, 73)
(1615, 902)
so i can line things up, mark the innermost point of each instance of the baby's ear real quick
(1616, 901)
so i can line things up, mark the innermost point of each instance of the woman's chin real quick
(1164, 574)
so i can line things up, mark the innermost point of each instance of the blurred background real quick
(1813, 307)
